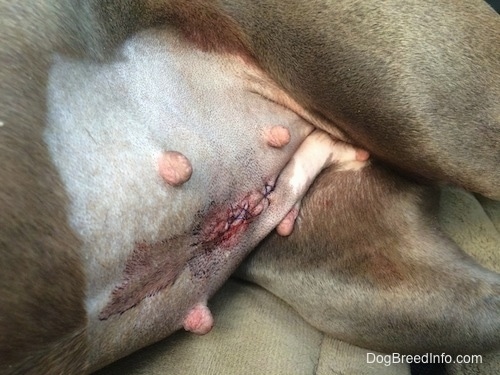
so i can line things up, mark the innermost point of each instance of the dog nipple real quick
(277, 136)
(199, 320)
(174, 168)
(285, 227)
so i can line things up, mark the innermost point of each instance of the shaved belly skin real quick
(185, 165)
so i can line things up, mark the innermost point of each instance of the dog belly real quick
(153, 250)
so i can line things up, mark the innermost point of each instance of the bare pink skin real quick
(277, 136)
(199, 320)
(174, 168)
(285, 228)
(362, 155)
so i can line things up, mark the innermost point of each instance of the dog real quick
(147, 147)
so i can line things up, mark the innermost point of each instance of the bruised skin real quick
(153, 267)
(368, 264)
(175, 168)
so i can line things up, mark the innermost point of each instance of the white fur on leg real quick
(317, 152)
